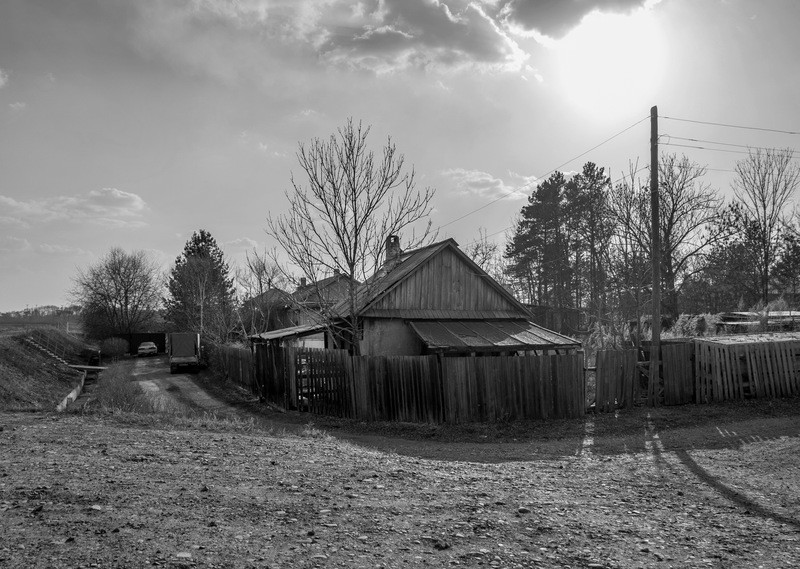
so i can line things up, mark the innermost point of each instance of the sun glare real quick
(612, 63)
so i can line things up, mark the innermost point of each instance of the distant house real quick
(312, 301)
(306, 312)
(270, 310)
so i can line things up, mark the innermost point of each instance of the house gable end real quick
(448, 280)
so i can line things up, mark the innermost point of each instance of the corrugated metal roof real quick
(751, 338)
(302, 330)
(476, 336)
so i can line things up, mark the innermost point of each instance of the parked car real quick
(147, 349)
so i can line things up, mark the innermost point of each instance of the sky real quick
(134, 123)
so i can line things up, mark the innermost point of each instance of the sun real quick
(611, 64)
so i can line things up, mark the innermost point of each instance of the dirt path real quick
(639, 434)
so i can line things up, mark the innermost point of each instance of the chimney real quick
(336, 272)
(302, 281)
(392, 251)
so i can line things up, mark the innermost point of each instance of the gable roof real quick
(270, 296)
(389, 277)
(322, 292)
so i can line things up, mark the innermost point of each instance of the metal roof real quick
(302, 330)
(751, 338)
(481, 336)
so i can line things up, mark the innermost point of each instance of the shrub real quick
(116, 391)
(114, 347)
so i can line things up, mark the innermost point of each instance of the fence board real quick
(616, 380)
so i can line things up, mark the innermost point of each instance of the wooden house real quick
(436, 300)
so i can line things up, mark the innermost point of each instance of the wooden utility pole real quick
(655, 239)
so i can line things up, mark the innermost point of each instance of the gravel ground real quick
(118, 490)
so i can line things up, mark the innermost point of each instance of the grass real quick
(116, 393)
(30, 380)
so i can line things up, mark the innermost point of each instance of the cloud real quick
(60, 250)
(555, 18)
(18, 107)
(242, 243)
(430, 34)
(262, 39)
(108, 207)
(9, 244)
(3, 78)
(486, 186)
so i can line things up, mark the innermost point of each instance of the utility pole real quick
(655, 239)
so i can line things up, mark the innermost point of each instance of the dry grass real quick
(115, 393)
(29, 380)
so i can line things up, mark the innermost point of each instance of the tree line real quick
(582, 242)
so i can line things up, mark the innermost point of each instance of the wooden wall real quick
(445, 282)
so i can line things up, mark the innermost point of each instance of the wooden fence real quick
(726, 371)
(677, 373)
(437, 389)
(421, 388)
(620, 380)
(237, 364)
(616, 380)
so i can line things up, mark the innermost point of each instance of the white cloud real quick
(487, 186)
(108, 207)
(18, 107)
(242, 243)
(60, 250)
(10, 244)
(268, 41)
(556, 19)
(3, 78)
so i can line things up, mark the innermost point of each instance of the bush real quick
(116, 392)
(114, 347)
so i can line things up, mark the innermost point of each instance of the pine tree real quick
(201, 293)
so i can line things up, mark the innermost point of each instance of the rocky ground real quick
(123, 490)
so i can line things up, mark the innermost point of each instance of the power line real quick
(704, 148)
(701, 141)
(484, 206)
(473, 242)
(726, 125)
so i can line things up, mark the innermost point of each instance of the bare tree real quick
(688, 210)
(118, 295)
(351, 201)
(487, 256)
(764, 184)
(260, 281)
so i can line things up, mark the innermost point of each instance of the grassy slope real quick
(30, 380)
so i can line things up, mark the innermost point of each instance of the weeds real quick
(311, 432)
(115, 392)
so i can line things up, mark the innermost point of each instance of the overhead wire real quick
(529, 184)
(612, 183)
(677, 145)
(728, 125)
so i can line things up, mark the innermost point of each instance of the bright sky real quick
(134, 123)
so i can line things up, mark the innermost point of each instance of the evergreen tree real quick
(201, 293)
